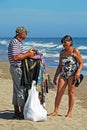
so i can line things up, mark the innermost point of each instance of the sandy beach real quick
(60, 122)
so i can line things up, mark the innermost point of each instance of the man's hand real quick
(31, 53)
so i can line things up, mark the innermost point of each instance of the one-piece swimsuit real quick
(69, 66)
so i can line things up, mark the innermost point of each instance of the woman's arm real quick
(80, 62)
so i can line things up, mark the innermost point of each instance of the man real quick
(15, 55)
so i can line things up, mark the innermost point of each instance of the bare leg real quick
(60, 91)
(16, 112)
(21, 109)
(71, 91)
(21, 116)
(16, 109)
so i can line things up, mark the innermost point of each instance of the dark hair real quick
(66, 38)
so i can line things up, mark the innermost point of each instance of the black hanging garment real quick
(30, 71)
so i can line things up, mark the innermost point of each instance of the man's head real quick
(21, 33)
(20, 30)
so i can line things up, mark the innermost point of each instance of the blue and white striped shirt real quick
(15, 48)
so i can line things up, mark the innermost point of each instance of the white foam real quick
(36, 44)
(82, 47)
(3, 42)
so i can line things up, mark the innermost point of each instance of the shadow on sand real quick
(6, 114)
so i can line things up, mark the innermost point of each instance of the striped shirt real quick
(15, 48)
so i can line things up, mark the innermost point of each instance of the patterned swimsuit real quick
(69, 66)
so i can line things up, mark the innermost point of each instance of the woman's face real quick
(67, 44)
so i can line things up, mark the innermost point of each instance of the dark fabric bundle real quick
(30, 71)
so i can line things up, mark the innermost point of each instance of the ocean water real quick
(50, 47)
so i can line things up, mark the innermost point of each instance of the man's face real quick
(23, 35)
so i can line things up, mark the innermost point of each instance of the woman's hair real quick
(67, 38)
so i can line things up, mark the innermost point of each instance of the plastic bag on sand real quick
(33, 110)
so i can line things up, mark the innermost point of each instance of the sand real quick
(60, 122)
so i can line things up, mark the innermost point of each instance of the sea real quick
(49, 47)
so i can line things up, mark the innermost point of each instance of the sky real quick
(44, 18)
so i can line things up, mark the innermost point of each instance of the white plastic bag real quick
(33, 110)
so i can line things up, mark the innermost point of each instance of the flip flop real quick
(79, 80)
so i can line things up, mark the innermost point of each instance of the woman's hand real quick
(77, 75)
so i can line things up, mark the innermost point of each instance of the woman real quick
(68, 70)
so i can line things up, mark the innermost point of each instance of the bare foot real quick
(68, 115)
(53, 114)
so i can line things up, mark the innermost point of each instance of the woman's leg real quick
(62, 83)
(71, 91)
